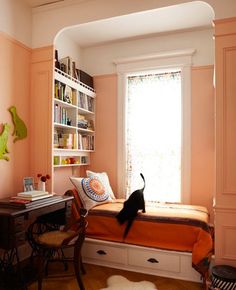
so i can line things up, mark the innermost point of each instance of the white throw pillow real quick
(91, 191)
(103, 177)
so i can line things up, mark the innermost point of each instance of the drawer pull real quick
(152, 260)
(101, 252)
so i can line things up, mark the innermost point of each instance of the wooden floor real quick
(96, 276)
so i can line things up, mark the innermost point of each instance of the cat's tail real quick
(143, 180)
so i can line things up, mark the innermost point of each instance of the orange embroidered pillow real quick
(91, 191)
(103, 177)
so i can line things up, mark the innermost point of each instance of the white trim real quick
(164, 60)
(119, 256)
(153, 56)
(186, 135)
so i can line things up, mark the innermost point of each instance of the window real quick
(128, 74)
(153, 134)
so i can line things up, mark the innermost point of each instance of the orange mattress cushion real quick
(164, 226)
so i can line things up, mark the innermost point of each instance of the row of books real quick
(64, 140)
(28, 199)
(65, 93)
(61, 115)
(85, 142)
(73, 141)
(85, 102)
(68, 66)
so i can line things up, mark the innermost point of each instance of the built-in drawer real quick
(104, 253)
(154, 260)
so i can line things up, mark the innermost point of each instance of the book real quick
(66, 65)
(32, 198)
(32, 193)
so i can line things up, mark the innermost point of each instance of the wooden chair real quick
(49, 242)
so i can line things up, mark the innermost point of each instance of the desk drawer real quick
(49, 210)
(104, 253)
(154, 260)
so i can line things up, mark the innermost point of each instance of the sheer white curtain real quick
(153, 139)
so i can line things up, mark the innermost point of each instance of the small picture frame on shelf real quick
(28, 183)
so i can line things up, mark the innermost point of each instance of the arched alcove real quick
(95, 45)
(137, 30)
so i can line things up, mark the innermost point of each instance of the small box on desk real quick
(86, 78)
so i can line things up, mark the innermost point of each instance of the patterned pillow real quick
(103, 177)
(91, 191)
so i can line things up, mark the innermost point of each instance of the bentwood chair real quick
(50, 241)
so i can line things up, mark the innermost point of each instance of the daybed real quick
(166, 240)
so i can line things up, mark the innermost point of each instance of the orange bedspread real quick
(164, 226)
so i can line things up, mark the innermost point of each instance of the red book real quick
(21, 201)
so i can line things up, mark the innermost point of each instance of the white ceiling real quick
(191, 15)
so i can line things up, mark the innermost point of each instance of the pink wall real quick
(15, 86)
(62, 178)
(105, 156)
(203, 143)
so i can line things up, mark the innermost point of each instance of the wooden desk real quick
(14, 223)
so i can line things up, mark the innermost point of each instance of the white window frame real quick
(181, 59)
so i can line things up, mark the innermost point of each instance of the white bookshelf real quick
(73, 121)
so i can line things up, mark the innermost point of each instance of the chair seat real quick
(56, 238)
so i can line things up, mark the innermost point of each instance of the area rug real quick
(117, 282)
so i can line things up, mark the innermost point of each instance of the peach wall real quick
(62, 177)
(203, 147)
(105, 156)
(15, 86)
(225, 191)
(41, 112)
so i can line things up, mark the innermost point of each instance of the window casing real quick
(171, 60)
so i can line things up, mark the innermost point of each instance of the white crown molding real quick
(177, 58)
(160, 55)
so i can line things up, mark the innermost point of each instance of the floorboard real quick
(96, 276)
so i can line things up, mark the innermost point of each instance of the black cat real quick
(131, 206)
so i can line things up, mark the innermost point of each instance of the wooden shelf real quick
(65, 126)
(64, 104)
(69, 165)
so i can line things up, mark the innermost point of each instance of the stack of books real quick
(31, 195)
(29, 199)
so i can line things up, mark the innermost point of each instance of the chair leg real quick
(41, 263)
(82, 266)
(64, 260)
(78, 261)
(77, 266)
